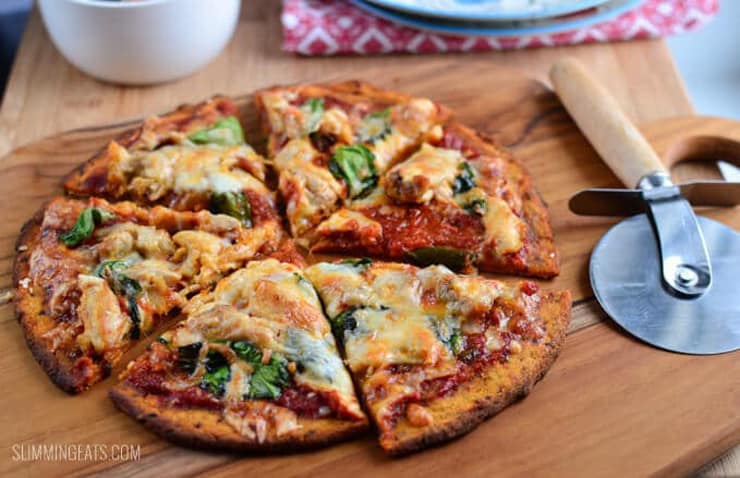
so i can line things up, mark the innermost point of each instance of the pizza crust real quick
(206, 429)
(483, 397)
(538, 256)
(453, 415)
(29, 312)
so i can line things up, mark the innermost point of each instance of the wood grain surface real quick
(610, 406)
(46, 95)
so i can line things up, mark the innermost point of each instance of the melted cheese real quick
(163, 264)
(340, 285)
(351, 222)
(388, 148)
(257, 420)
(410, 123)
(280, 114)
(417, 116)
(294, 121)
(105, 324)
(335, 122)
(159, 280)
(186, 168)
(273, 290)
(403, 315)
(428, 173)
(205, 257)
(392, 327)
(503, 227)
(126, 239)
(389, 337)
(311, 192)
(270, 304)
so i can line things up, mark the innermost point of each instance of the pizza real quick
(252, 366)
(91, 277)
(305, 125)
(435, 353)
(191, 159)
(367, 172)
(179, 224)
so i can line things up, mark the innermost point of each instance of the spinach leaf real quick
(449, 333)
(123, 286)
(217, 373)
(361, 264)
(108, 268)
(455, 259)
(247, 352)
(356, 166)
(465, 181)
(374, 126)
(268, 381)
(344, 321)
(234, 204)
(456, 343)
(313, 110)
(225, 132)
(476, 206)
(85, 225)
(119, 282)
(187, 356)
(133, 310)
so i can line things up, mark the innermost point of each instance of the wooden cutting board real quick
(609, 406)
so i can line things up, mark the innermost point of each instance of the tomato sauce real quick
(306, 402)
(409, 228)
(151, 375)
(262, 210)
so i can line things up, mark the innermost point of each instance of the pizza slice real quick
(370, 172)
(460, 201)
(254, 366)
(191, 159)
(91, 277)
(309, 126)
(436, 353)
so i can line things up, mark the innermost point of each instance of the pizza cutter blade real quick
(625, 273)
(666, 276)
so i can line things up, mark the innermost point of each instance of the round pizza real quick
(185, 223)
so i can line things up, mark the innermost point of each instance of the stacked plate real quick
(497, 17)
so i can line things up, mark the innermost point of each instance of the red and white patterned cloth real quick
(334, 27)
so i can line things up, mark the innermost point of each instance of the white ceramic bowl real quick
(140, 42)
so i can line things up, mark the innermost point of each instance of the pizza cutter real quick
(667, 276)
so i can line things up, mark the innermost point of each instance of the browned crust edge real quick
(541, 257)
(462, 411)
(28, 309)
(205, 429)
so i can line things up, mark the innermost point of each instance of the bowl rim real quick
(108, 4)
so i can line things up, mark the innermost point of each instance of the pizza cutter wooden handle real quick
(607, 128)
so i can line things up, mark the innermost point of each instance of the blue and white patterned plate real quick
(488, 10)
(537, 26)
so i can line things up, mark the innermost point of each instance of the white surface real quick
(709, 60)
(140, 42)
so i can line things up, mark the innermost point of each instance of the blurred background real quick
(707, 58)
(13, 16)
